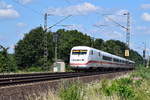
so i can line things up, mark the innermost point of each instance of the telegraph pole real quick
(127, 51)
(144, 54)
(55, 39)
(45, 39)
(45, 43)
(147, 65)
(128, 30)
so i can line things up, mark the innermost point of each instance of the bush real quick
(142, 72)
(34, 69)
(122, 87)
(72, 92)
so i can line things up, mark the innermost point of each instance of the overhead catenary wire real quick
(69, 2)
(60, 21)
(27, 7)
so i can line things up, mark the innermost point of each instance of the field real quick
(135, 86)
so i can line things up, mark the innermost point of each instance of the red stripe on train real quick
(101, 62)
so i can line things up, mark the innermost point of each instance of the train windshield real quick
(79, 52)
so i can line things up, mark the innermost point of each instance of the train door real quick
(92, 59)
(99, 58)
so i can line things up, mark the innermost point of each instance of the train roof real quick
(102, 52)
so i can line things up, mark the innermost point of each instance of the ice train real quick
(83, 57)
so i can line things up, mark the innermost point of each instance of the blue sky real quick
(18, 17)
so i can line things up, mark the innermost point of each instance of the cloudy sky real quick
(89, 16)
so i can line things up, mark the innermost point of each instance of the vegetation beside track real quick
(135, 86)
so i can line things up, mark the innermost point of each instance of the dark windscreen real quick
(79, 52)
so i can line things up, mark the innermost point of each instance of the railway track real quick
(15, 79)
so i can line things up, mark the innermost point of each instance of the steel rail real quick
(38, 77)
(28, 74)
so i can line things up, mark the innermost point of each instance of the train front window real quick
(79, 52)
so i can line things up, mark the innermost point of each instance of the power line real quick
(69, 2)
(31, 9)
(45, 38)
(60, 21)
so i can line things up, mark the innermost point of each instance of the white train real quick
(83, 57)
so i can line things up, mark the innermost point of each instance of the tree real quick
(7, 62)
(135, 56)
(118, 48)
(3, 62)
(99, 44)
(69, 39)
(29, 51)
(115, 47)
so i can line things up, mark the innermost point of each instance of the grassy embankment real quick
(132, 87)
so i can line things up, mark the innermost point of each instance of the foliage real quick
(135, 87)
(29, 51)
(135, 56)
(99, 44)
(117, 47)
(7, 62)
(132, 87)
(73, 91)
(142, 72)
(122, 87)
(69, 39)
(34, 69)
(12, 63)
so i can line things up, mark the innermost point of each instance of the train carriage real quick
(83, 57)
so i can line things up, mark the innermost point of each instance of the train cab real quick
(79, 57)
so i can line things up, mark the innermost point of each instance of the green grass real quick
(135, 86)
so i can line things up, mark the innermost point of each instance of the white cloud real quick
(121, 12)
(113, 35)
(21, 35)
(146, 16)
(117, 16)
(1, 38)
(3, 5)
(24, 1)
(21, 24)
(12, 47)
(143, 29)
(81, 9)
(145, 6)
(7, 11)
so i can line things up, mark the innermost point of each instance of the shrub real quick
(72, 92)
(34, 69)
(122, 87)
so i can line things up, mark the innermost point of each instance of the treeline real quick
(29, 51)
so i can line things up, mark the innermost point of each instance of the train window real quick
(99, 54)
(107, 58)
(79, 52)
(116, 60)
(130, 63)
(92, 52)
(127, 62)
(123, 61)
